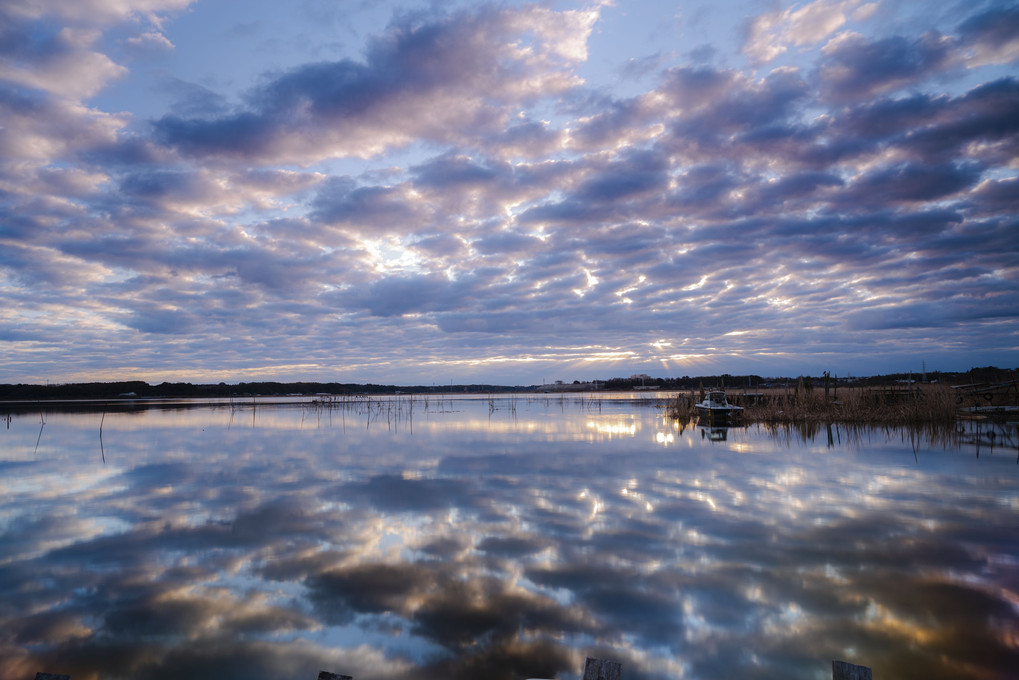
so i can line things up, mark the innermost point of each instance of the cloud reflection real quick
(276, 552)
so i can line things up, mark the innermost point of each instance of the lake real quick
(504, 537)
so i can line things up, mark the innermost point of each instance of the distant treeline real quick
(987, 374)
(142, 390)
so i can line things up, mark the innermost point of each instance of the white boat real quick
(716, 409)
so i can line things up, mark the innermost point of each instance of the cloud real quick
(857, 68)
(374, 209)
(993, 36)
(150, 42)
(447, 80)
(63, 65)
(193, 100)
(997, 196)
(472, 186)
(622, 179)
(772, 33)
(912, 183)
(978, 125)
(66, 61)
(38, 129)
(932, 314)
(452, 172)
(727, 109)
(95, 12)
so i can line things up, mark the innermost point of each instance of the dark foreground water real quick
(500, 539)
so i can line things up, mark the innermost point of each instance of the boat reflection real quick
(715, 434)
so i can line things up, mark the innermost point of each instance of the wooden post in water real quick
(842, 670)
(602, 669)
(326, 675)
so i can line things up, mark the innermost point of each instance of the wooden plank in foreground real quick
(326, 675)
(51, 676)
(842, 670)
(602, 669)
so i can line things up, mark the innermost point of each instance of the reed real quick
(912, 405)
(917, 404)
(682, 406)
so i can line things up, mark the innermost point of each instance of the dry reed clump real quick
(913, 405)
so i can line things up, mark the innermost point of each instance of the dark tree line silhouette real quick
(137, 389)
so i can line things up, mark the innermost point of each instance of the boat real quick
(716, 409)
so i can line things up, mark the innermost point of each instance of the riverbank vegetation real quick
(907, 403)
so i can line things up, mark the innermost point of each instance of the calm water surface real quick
(505, 538)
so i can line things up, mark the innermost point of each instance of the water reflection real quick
(715, 434)
(472, 539)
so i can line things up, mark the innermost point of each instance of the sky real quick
(513, 193)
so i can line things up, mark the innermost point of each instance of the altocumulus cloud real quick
(506, 191)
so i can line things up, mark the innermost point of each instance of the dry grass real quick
(919, 404)
(929, 404)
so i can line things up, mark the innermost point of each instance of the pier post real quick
(842, 670)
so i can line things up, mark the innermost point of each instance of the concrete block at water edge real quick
(843, 670)
(602, 669)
